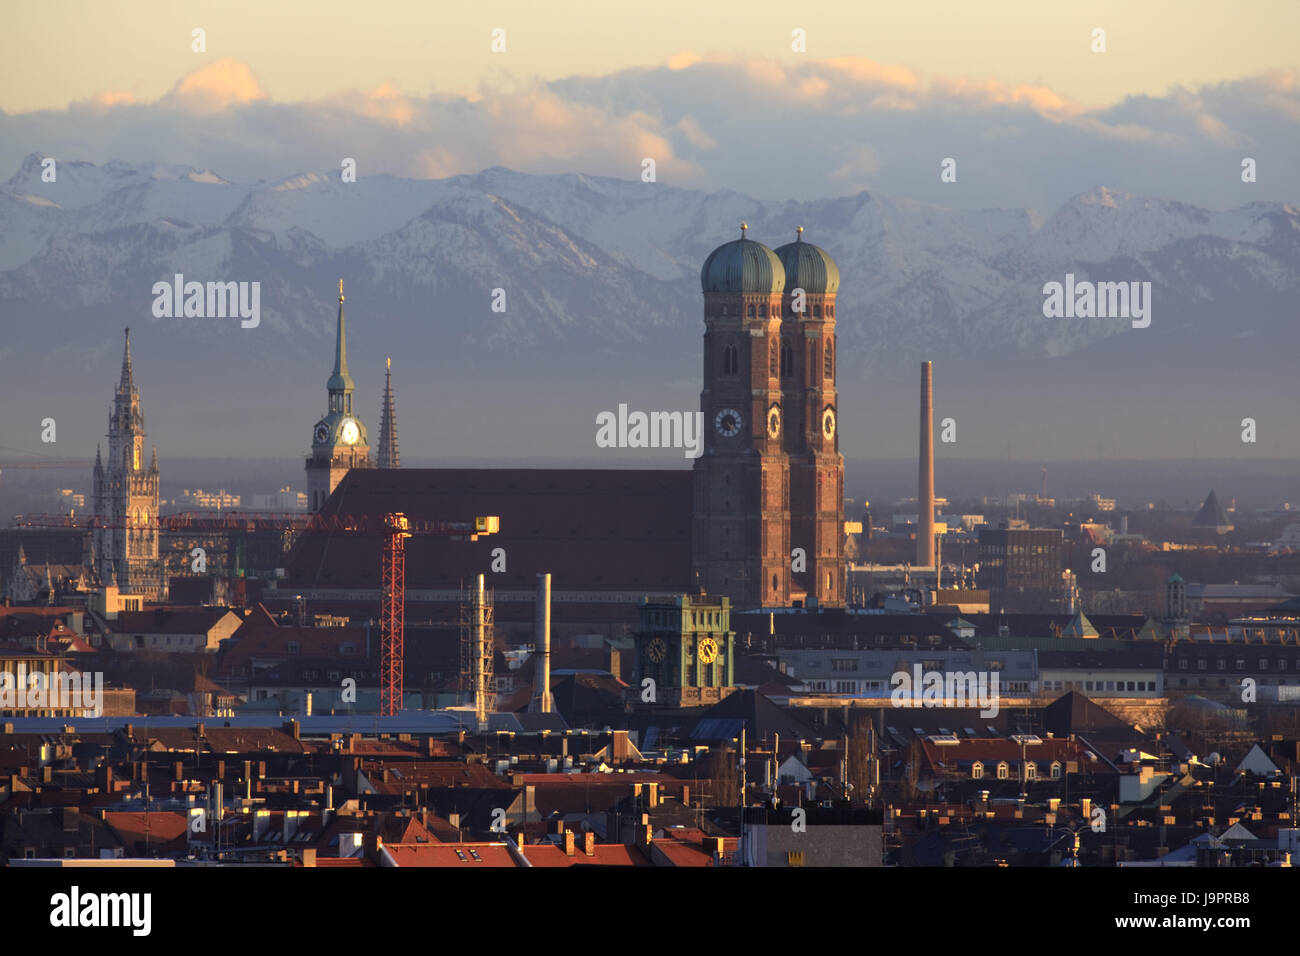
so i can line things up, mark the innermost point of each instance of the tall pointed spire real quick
(388, 455)
(128, 375)
(99, 462)
(340, 380)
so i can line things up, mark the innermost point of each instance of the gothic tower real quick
(740, 535)
(126, 497)
(808, 361)
(339, 440)
(387, 455)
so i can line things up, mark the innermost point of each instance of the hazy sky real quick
(713, 91)
(57, 53)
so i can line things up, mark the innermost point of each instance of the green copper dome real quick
(742, 265)
(808, 267)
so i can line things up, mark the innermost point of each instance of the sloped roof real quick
(1257, 762)
(1073, 713)
(1079, 626)
(1211, 514)
(591, 529)
(760, 717)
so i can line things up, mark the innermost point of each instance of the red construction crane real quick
(395, 526)
(392, 612)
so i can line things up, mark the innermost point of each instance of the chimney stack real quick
(925, 489)
(542, 638)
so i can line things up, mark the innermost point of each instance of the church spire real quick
(388, 456)
(340, 380)
(128, 375)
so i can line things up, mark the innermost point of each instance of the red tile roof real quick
(604, 854)
(450, 854)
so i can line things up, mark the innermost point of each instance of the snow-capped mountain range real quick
(595, 270)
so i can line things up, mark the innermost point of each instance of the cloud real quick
(218, 86)
(802, 129)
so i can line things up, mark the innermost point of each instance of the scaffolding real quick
(477, 650)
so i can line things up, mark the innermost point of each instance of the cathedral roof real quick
(594, 530)
(742, 265)
(808, 267)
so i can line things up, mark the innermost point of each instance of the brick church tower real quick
(770, 478)
(812, 434)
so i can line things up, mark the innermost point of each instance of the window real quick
(751, 312)
(1241, 663)
(730, 361)
(1003, 771)
(772, 368)
(1200, 663)
(1031, 770)
(1056, 770)
(291, 647)
(1223, 663)
(1263, 663)
(1182, 664)
(977, 771)
(787, 360)
(828, 359)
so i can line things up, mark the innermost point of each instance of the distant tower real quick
(741, 513)
(339, 441)
(811, 436)
(925, 490)
(388, 456)
(126, 497)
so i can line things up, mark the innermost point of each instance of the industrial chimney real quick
(925, 489)
(542, 637)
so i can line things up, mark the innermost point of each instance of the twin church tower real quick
(767, 509)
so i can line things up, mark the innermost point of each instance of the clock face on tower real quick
(828, 422)
(774, 421)
(656, 650)
(728, 422)
(708, 650)
(349, 432)
(322, 433)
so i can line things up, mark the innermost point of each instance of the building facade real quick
(125, 541)
(1021, 568)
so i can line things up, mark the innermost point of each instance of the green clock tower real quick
(339, 441)
(687, 648)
